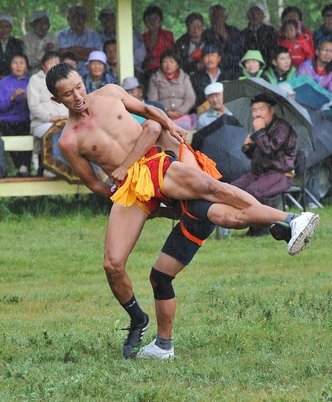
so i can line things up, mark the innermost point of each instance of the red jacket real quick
(299, 49)
(165, 41)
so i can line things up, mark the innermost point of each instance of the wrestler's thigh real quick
(123, 230)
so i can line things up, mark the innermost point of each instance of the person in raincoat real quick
(252, 64)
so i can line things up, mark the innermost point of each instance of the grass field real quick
(252, 324)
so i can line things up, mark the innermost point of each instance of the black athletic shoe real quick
(280, 231)
(132, 343)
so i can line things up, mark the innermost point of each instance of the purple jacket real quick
(273, 148)
(16, 111)
(307, 67)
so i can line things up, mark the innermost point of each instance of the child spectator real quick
(14, 112)
(282, 68)
(98, 75)
(70, 58)
(297, 44)
(252, 64)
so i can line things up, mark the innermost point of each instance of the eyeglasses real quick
(326, 49)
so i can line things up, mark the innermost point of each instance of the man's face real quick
(211, 61)
(263, 111)
(217, 101)
(72, 93)
(77, 23)
(324, 53)
(108, 22)
(136, 93)
(327, 19)
(283, 62)
(5, 29)
(110, 51)
(41, 26)
(218, 17)
(255, 16)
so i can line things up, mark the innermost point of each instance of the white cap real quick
(37, 15)
(287, 88)
(215, 88)
(97, 55)
(258, 5)
(130, 83)
(6, 17)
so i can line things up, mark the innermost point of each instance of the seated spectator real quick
(107, 19)
(98, 75)
(294, 13)
(211, 72)
(324, 32)
(272, 151)
(38, 41)
(14, 112)
(228, 38)
(315, 68)
(8, 44)
(171, 87)
(252, 64)
(43, 111)
(215, 95)
(298, 45)
(78, 39)
(281, 69)
(188, 47)
(257, 35)
(156, 40)
(134, 88)
(70, 58)
(110, 49)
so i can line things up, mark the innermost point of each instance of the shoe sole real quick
(151, 356)
(303, 239)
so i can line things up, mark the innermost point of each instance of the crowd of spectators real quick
(183, 77)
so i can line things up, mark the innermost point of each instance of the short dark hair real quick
(291, 9)
(69, 55)
(263, 97)
(326, 9)
(169, 53)
(192, 17)
(278, 51)
(153, 10)
(290, 22)
(108, 42)
(50, 55)
(57, 73)
(20, 54)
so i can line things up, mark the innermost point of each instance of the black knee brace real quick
(161, 285)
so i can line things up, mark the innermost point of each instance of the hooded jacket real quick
(252, 55)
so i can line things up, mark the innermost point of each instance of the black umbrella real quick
(222, 141)
(237, 96)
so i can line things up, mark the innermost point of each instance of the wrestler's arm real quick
(134, 105)
(83, 169)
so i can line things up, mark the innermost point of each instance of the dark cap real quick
(210, 48)
(264, 97)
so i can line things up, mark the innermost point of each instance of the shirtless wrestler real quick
(101, 130)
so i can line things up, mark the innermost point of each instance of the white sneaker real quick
(152, 351)
(302, 227)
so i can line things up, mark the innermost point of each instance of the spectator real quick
(257, 35)
(189, 46)
(107, 19)
(215, 95)
(272, 150)
(70, 58)
(294, 13)
(315, 68)
(156, 40)
(134, 88)
(98, 75)
(9, 44)
(78, 39)
(298, 45)
(227, 37)
(171, 87)
(112, 57)
(38, 41)
(211, 72)
(324, 32)
(14, 112)
(43, 111)
(252, 64)
(281, 69)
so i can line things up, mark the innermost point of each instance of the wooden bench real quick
(34, 186)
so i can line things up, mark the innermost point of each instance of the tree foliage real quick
(175, 12)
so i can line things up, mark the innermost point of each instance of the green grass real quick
(252, 323)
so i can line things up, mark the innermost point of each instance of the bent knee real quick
(114, 268)
(152, 127)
